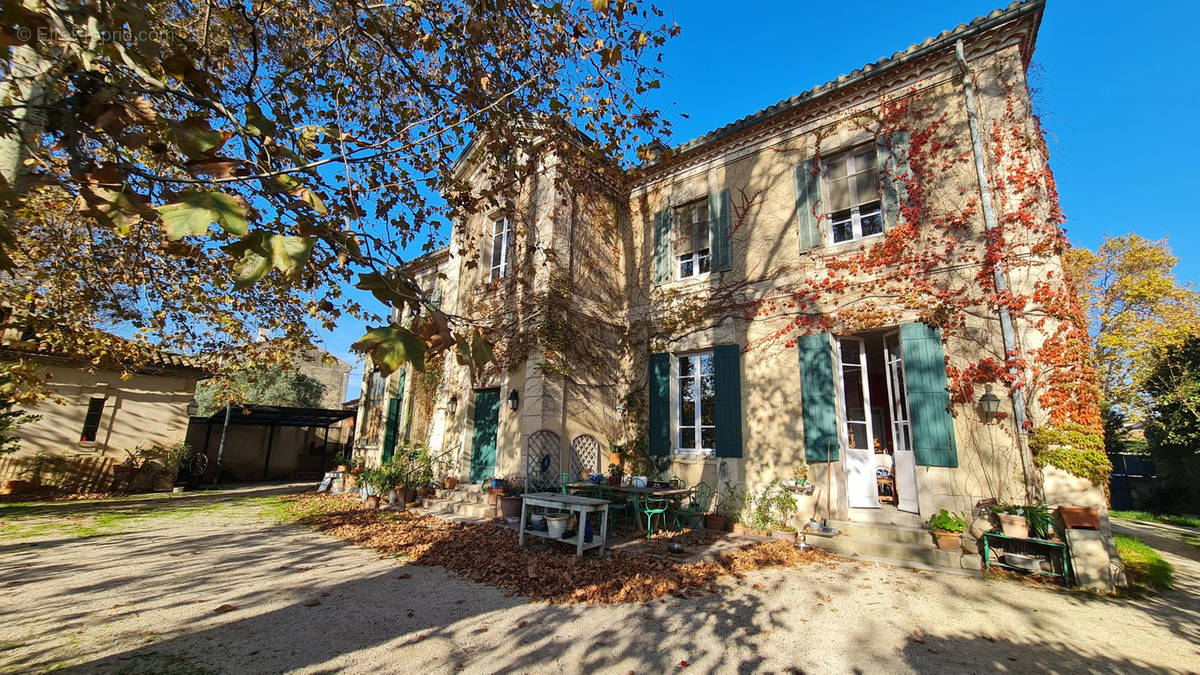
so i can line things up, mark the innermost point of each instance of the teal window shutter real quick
(719, 236)
(808, 199)
(928, 401)
(391, 425)
(662, 247)
(727, 371)
(891, 153)
(660, 404)
(818, 398)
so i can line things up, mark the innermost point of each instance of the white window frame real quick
(696, 256)
(857, 202)
(502, 229)
(677, 425)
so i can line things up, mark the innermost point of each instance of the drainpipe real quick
(989, 220)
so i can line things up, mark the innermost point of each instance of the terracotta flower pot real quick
(714, 522)
(509, 507)
(738, 528)
(450, 482)
(373, 502)
(1013, 525)
(343, 468)
(494, 493)
(424, 491)
(948, 541)
(784, 535)
(1080, 517)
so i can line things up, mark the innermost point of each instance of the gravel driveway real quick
(227, 590)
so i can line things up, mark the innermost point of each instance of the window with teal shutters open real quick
(808, 198)
(705, 399)
(928, 400)
(693, 238)
(818, 398)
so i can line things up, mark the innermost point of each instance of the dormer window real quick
(850, 182)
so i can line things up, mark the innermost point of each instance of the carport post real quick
(221, 448)
(270, 442)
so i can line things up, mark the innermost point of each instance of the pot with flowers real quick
(783, 503)
(509, 504)
(947, 529)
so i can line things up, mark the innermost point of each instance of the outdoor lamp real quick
(193, 408)
(452, 406)
(990, 403)
(513, 400)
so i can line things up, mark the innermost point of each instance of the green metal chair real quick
(564, 479)
(617, 506)
(700, 498)
(650, 507)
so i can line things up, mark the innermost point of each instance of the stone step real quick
(451, 506)
(892, 552)
(899, 534)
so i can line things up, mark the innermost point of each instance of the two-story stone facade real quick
(833, 285)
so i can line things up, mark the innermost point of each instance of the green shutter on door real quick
(818, 398)
(727, 372)
(662, 247)
(808, 199)
(660, 404)
(928, 400)
(891, 152)
(391, 424)
(719, 239)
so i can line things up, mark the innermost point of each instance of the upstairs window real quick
(697, 403)
(691, 239)
(850, 181)
(500, 239)
(91, 421)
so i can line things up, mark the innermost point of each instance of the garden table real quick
(991, 539)
(574, 503)
(670, 493)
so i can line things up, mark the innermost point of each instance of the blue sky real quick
(1117, 89)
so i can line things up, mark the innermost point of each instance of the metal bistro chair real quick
(616, 507)
(700, 498)
(650, 507)
(564, 479)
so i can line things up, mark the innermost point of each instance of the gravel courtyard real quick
(213, 584)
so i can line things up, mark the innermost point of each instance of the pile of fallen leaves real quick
(491, 555)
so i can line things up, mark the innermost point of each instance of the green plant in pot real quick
(376, 483)
(509, 503)
(762, 516)
(947, 529)
(784, 505)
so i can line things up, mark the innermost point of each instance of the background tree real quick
(1173, 423)
(268, 385)
(1135, 305)
(191, 174)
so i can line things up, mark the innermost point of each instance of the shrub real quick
(949, 522)
(1074, 449)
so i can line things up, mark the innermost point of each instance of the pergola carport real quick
(272, 417)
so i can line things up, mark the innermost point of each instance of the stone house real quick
(835, 286)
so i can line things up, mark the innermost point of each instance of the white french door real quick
(904, 464)
(857, 434)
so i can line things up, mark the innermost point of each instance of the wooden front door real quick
(483, 441)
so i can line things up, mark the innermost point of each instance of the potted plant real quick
(509, 504)
(376, 482)
(1037, 518)
(448, 469)
(495, 489)
(615, 474)
(1012, 520)
(126, 471)
(947, 529)
(783, 502)
(762, 512)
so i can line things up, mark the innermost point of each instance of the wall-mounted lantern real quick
(989, 403)
(193, 408)
(514, 401)
(452, 406)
